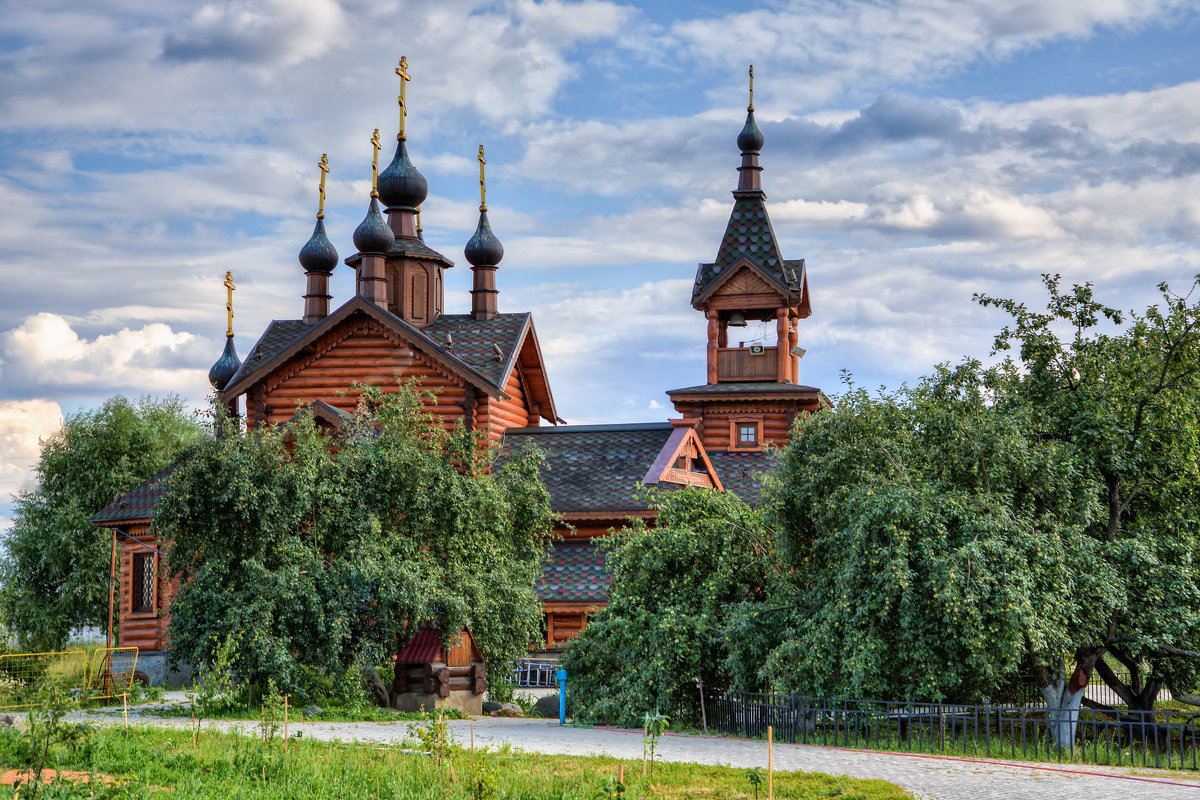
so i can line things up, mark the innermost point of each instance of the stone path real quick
(924, 776)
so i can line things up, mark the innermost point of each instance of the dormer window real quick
(747, 434)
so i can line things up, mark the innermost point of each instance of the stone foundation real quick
(467, 702)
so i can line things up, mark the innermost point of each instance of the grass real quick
(244, 766)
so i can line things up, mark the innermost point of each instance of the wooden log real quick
(429, 685)
(479, 686)
(443, 690)
(478, 670)
(431, 668)
(442, 675)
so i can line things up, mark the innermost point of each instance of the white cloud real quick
(45, 351)
(23, 425)
(283, 32)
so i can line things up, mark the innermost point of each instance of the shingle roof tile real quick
(574, 572)
(748, 235)
(139, 502)
(593, 467)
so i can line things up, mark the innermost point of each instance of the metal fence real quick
(106, 672)
(534, 673)
(1162, 739)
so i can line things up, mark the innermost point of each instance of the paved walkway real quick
(924, 776)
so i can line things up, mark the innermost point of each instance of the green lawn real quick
(244, 766)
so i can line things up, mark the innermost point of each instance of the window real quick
(745, 434)
(143, 583)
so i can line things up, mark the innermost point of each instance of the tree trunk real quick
(379, 692)
(1062, 711)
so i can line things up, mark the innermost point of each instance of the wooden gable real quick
(683, 461)
(744, 281)
(745, 285)
(359, 350)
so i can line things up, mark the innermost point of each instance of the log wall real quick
(495, 415)
(144, 630)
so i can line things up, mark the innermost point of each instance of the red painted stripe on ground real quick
(1019, 764)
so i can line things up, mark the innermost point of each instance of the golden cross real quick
(751, 106)
(402, 71)
(419, 228)
(375, 163)
(324, 166)
(229, 287)
(482, 187)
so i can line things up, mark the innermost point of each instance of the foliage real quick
(755, 776)
(214, 689)
(46, 727)
(925, 540)
(1124, 400)
(320, 552)
(937, 540)
(226, 763)
(672, 591)
(55, 562)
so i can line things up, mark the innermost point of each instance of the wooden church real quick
(488, 370)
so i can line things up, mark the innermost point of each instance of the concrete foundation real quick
(466, 702)
(155, 666)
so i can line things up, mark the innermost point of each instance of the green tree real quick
(1040, 513)
(319, 552)
(928, 542)
(674, 587)
(55, 566)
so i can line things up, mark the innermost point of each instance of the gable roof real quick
(749, 237)
(592, 467)
(742, 472)
(136, 504)
(471, 355)
(695, 471)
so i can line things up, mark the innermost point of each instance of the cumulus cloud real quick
(23, 426)
(45, 352)
(257, 31)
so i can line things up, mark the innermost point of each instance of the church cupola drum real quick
(484, 252)
(402, 274)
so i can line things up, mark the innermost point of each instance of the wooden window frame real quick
(735, 439)
(135, 586)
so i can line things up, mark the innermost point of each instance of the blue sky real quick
(916, 153)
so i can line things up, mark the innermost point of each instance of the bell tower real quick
(752, 391)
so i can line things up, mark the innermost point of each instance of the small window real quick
(143, 583)
(747, 434)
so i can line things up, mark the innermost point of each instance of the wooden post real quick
(645, 733)
(770, 765)
(793, 360)
(621, 774)
(193, 727)
(472, 759)
(713, 332)
(783, 359)
(112, 587)
(125, 709)
(285, 722)
(703, 714)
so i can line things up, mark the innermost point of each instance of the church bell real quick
(737, 320)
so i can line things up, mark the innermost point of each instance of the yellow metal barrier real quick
(22, 673)
(108, 672)
(111, 671)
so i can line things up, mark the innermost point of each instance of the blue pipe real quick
(561, 677)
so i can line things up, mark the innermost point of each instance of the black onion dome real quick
(373, 235)
(318, 253)
(484, 249)
(226, 367)
(400, 184)
(750, 140)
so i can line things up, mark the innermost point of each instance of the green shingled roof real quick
(473, 340)
(741, 473)
(574, 572)
(593, 467)
(749, 235)
(138, 503)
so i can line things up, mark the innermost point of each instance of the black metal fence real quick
(1162, 739)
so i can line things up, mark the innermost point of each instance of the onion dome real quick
(373, 235)
(318, 253)
(400, 185)
(484, 249)
(226, 367)
(750, 140)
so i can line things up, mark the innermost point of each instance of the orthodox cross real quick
(419, 228)
(324, 166)
(375, 163)
(229, 287)
(751, 106)
(402, 71)
(482, 187)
